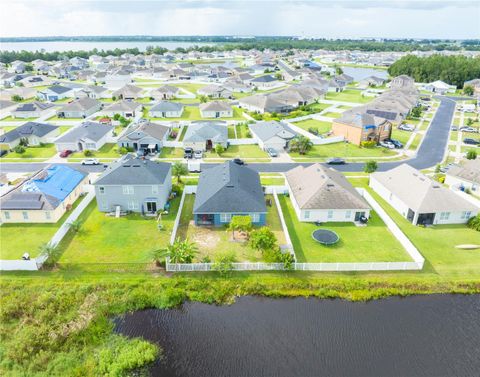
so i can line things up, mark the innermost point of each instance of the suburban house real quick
(475, 84)
(87, 136)
(34, 133)
(321, 194)
(264, 82)
(6, 107)
(55, 93)
(227, 190)
(371, 81)
(359, 127)
(299, 95)
(34, 109)
(264, 103)
(440, 87)
(215, 109)
(33, 81)
(128, 92)
(215, 91)
(201, 135)
(166, 109)
(419, 199)
(116, 80)
(145, 136)
(272, 134)
(402, 81)
(134, 184)
(92, 91)
(465, 176)
(127, 109)
(165, 92)
(80, 108)
(44, 197)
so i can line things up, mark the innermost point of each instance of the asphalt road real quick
(430, 153)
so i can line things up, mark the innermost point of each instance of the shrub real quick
(123, 150)
(441, 179)
(23, 142)
(471, 154)
(224, 263)
(368, 144)
(263, 239)
(17, 98)
(116, 116)
(313, 130)
(219, 149)
(370, 166)
(20, 149)
(87, 153)
(474, 223)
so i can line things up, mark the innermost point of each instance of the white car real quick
(90, 161)
(407, 127)
(198, 154)
(387, 144)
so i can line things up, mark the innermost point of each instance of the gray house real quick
(35, 133)
(147, 136)
(166, 109)
(134, 185)
(89, 135)
(204, 135)
(227, 190)
(80, 108)
(272, 134)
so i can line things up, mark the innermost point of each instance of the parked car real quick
(444, 169)
(468, 129)
(471, 141)
(239, 161)
(396, 143)
(188, 153)
(65, 153)
(198, 154)
(90, 161)
(407, 127)
(387, 144)
(272, 152)
(335, 161)
(454, 128)
(3, 152)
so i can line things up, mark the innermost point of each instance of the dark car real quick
(65, 153)
(335, 161)
(188, 153)
(239, 161)
(396, 143)
(471, 141)
(272, 152)
(3, 152)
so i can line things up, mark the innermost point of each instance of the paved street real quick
(430, 153)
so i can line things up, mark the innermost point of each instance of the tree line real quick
(453, 70)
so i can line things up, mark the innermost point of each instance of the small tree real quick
(468, 90)
(114, 98)
(474, 223)
(219, 149)
(87, 153)
(75, 225)
(116, 116)
(417, 112)
(240, 224)
(159, 255)
(52, 253)
(263, 239)
(179, 169)
(471, 154)
(301, 144)
(23, 142)
(17, 98)
(469, 121)
(370, 166)
(203, 98)
(224, 263)
(20, 149)
(178, 252)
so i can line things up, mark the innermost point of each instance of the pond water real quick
(362, 73)
(437, 335)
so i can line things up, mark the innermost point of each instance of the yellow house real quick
(43, 198)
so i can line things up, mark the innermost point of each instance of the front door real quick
(359, 215)
(151, 207)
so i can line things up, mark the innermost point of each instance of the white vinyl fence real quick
(245, 141)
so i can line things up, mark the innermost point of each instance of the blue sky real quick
(328, 19)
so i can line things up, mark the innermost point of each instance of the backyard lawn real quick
(322, 126)
(212, 241)
(343, 150)
(45, 151)
(348, 95)
(32, 236)
(332, 115)
(373, 243)
(231, 132)
(242, 130)
(128, 239)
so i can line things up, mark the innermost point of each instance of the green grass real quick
(191, 87)
(182, 135)
(416, 142)
(56, 118)
(169, 152)
(12, 119)
(401, 136)
(343, 150)
(332, 115)
(242, 151)
(454, 135)
(322, 126)
(373, 243)
(108, 150)
(46, 151)
(63, 129)
(32, 236)
(8, 128)
(128, 239)
(348, 95)
(242, 131)
(231, 132)
(193, 113)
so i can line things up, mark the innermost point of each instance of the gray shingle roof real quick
(131, 170)
(58, 89)
(468, 171)
(26, 130)
(266, 130)
(266, 78)
(206, 131)
(154, 130)
(167, 106)
(91, 130)
(229, 188)
(34, 106)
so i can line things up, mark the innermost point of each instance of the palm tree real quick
(159, 255)
(52, 252)
(301, 144)
(75, 225)
(178, 252)
(179, 169)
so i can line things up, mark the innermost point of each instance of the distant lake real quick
(362, 73)
(435, 335)
(76, 46)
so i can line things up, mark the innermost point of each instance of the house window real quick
(307, 215)
(348, 214)
(255, 217)
(154, 189)
(330, 214)
(444, 215)
(25, 215)
(225, 217)
(90, 146)
(47, 215)
(127, 190)
(132, 205)
(101, 190)
(7, 215)
(466, 214)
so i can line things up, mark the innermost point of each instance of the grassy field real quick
(348, 95)
(343, 150)
(401, 136)
(108, 150)
(416, 142)
(128, 239)
(322, 126)
(332, 115)
(373, 243)
(45, 152)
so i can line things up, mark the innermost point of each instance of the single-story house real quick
(215, 109)
(32, 110)
(440, 87)
(126, 109)
(272, 134)
(116, 80)
(165, 92)
(80, 108)
(134, 184)
(33, 81)
(146, 135)
(360, 127)
(227, 190)
(55, 93)
(203, 135)
(44, 197)
(87, 136)
(93, 91)
(215, 91)
(371, 81)
(166, 109)
(265, 82)
(465, 176)
(343, 79)
(419, 199)
(264, 103)
(34, 133)
(128, 92)
(321, 194)
(6, 107)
